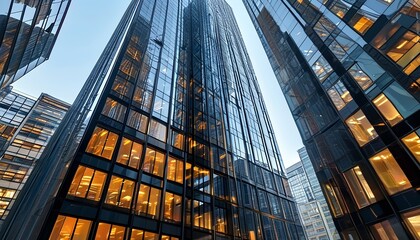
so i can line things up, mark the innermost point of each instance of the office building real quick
(175, 140)
(313, 209)
(26, 126)
(349, 72)
(28, 30)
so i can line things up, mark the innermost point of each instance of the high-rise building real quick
(313, 209)
(26, 126)
(175, 140)
(28, 30)
(349, 72)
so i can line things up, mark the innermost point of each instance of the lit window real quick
(123, 87)
(70, 228)
(412, 141)
(362, 21)
(148, 201)
(137, 121)
(412, 66)
(220, 220)
(334, 200)
(143, 235)
(202, 215)
(6, 196)
(129, 153)
(389, 172)
(154, 162)
(360, 76)
(109, 231)
(120, 192)
(383, 230)
(321, 68)
(87, 183)
(157, 130)
(102, 143)
(164, 237)
(188, 174)
(339, 95)
(202, 179)
(406, 49)
(387, 109)
(175, 170)
(177, 140)
(361, 128)
(114, 110)
(413, 221)
(359, 187)
(173, 207)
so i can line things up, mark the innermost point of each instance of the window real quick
(148, 201)
(123, 87)
(114, 110)
(70, 228)
(143, 235)
(177, 140)
(359, 187)
(6, 196)
(87, 183)
(389, 172)
(12, 172)
(339, 95)
(175, 170)
(120, 192)
(383, 230)
(361, 128)
(157, 130)
(154, 162)
(102, 143)
(188, 173)
(412, 141)
(360, 76)
(137, 121)
(362, 21)
(109, 231)
(333, 200)
(220, 220)
(406, 49)
(387, 109)
(202, 179)
(130, 153)
(168, 238)
(202, 215)
(413, 221)
(173, 207)
(321, 68)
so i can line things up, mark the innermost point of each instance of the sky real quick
(88, 27)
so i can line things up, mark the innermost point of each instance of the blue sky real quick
(86, 30)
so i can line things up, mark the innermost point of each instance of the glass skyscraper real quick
(28, 30)
(26, 126)
(349, 72)
(312, 206)
(168, 139)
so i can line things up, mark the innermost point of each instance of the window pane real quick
(384, 231)
(87, 183)
(402, 100)
(360, 76)
(220, 220)
(148, 201)
(389, 172)
(70, 228)
(387, 109)
(108, 231)
(412, 141)
(129, 153)
(154, 162)
(137, 121)
(202, 215)
(175, 170)
(173, 207)
(361, 128)
(114, 110)
(413, 221)
(157, 130)
(178, 140)
(137, 234)
(333, 200)
(359, 187)
(202, 179)
(102, 143)
(120, 192)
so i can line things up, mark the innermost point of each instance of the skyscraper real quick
(349, 72)
(175, 140)
(28, 30)
(26, 126)
(312, 206)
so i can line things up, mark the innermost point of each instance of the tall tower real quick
(349, 72)
(28, 30)
(178, 144)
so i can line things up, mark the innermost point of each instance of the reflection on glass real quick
(361, 128)
(387, 109)
(202, 179)
(389, 172)
(157, 130)
(339, 95)
(173, 207)
(220, 220)
(70, 228)
(109, 231)
(154, 162)
(129, 153)
(202, 215)
(384, 231)
(333, 200)
(102, 143)
(120, 192)
(137, 121)
(359, 187)
(412, 141)
(114, 110)
(360, 76)
(87, 183)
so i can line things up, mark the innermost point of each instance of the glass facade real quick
(168, 139)
(349, 72)
(27, 125)
(28, 30)
(312, 206)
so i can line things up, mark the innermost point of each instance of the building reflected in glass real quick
(349, 72)
(28, 30)
(168, 139)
